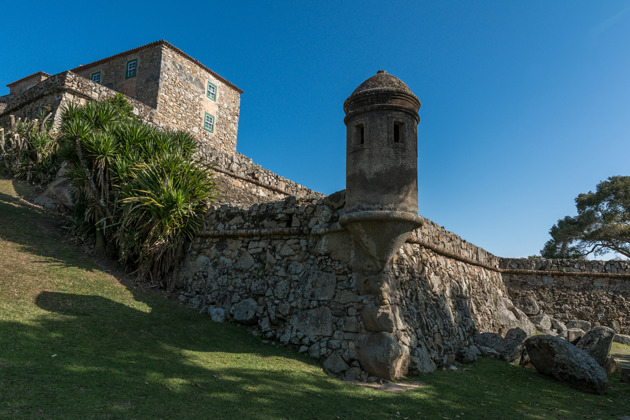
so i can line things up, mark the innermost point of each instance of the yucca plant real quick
(29, 149)
(137, 186)
(162, 208)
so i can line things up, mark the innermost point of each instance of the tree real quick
(601, 225)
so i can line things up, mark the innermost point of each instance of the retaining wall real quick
(595, 291)
(287, 269)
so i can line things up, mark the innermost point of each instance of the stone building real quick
(169, 88)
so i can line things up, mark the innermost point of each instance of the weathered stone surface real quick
(625, 373)
(353, 374)
(336, 364)
(597, 299)
(528, 305)
(384, 357)
(574, 335)
(581, 324)
(245, 262)
(610, 366)
(323, 285)
(381, 318)
(513, 345)
(468, 354)
(510, 316)
(558, 327)
(508, 348)
(490, 340)
(314, 322)
(57, 195)
(597, 343)
(217, 314)
(245, 311)
(556, 357)
(542, 322)
(622, 339)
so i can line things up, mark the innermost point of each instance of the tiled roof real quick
(153, 44)
(28, 77)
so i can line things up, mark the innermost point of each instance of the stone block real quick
(597, 343)
(245, 311)
(576, 323)
(382, 356)
(314, 322)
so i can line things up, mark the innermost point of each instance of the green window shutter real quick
(211, 91)
(132, 66)
(208, 122)
(96, 76)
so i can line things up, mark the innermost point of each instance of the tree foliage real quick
(601, 225)
(139, 189)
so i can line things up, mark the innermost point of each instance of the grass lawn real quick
(76, 343)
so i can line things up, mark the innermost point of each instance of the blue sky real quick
(525, 104)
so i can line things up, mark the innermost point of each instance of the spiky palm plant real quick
(138, 186)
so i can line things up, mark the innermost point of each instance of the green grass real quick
(76, 343)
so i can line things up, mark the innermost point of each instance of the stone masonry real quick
(170, 83)
(594, 291)
(369, 283)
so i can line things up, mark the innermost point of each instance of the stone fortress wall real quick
(364, 284)
(289, 270)
(594, 291)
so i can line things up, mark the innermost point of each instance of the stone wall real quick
(143, 87)
(243, 183)
(168, 91)
(182, 101)
(58, 90)
(291, 272)
(595, 291)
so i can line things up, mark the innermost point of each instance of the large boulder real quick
(508, 348)
(578, 323)
(528, 305)
(57, 195)
(542, 322)
(467, 355)
(245, 311)
(384, 357)
(558, 358)
(597, 343)
(574, 335)
(510, 316)
(622, 339)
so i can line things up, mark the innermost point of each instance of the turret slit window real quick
(399, 130)
(359, 134)
(208, 122)
(96, 76)
(132, 66)
(211, 91)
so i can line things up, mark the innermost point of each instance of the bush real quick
(139, 188)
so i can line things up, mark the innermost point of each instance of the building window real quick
(96, 76)
(359, 134)
(211, 91)
(399, 132)
(208, 122)
(132, 65)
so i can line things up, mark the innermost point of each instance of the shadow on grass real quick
(93, 357)
(38, 232)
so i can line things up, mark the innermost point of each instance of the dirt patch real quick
(390, 386)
